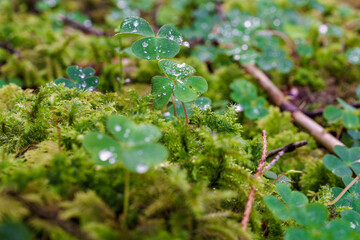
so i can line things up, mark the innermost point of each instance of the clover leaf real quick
(164, 45)
(347, 115)
(245, 94)
(185, 89)
(274, 59)
(81, 78)
(353, 218)
(284, 179)
(138, 149)
(349, 161)
(311, 217)
(353, 55)
(351, 198)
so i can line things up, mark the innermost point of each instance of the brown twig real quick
(275, 180)
(352, 24)
(343, 191)
(7, 47)
(81, 27)
(278, 98)
(250, 200)
(155, 15)
(281, 151)
(288, 148)
(50, 214)
(219, 9)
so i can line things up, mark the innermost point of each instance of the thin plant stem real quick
(186, 115)
(343, 191)
(126, 199)
(121, 67)
(173, 102)
(250, 201)
(57, 128)
(275, 180)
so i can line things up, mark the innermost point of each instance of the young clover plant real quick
(81, 78)
(345, 168)
(245, 94)
(312, 217)
(135, 145)
(353, 55)
(346, 164)
(279, 179)
(166, 44)
(348, 115)
(177, 82)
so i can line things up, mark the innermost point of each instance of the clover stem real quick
(186, 116)
(173, 102)
(343, 191)
(126, 198)
(121, 65)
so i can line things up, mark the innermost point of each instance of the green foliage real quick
(81, 79)
(312, 217)
(203, 103)
(353, 56)
(164, 45)
(185, 89)
(245, 94)
(138, 151)
(347, 165)
(14, 231)
(347, 115)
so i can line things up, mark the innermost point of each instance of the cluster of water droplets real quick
(108, 155)
(353, 56)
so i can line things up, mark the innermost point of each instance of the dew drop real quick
(186, 44)
(141, 168)
(127, 132)
(104, 155)
(117, 128)
(323, 29)
(145, 44)
(136, 23)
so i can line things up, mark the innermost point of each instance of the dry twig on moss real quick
(258, 173)
(278, 98)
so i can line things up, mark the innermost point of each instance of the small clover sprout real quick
(245, 94)
(312, 217)
(81, 78)
(351, 198)
(353, 55)
(185, 89)
(272, 176)
(135, 145)
(164, 45)
(203, 103)
(275, 59)
(347, 115)
(349, 163)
